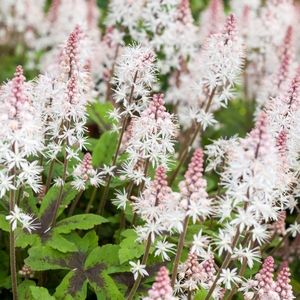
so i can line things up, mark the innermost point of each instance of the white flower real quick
(251, 255)
(260, 234)
(205, 119)
(58, 181)
(229, 277)
(162, 248)
(121, 199)
(27, 221)
(108, 170)
(294, 229)
(5, 183)
(200, 242)
(138, 269)
(224, 240)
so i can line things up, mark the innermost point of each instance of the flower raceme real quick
(161, 288)
(21, 135)
(158, 207)
(194, 198)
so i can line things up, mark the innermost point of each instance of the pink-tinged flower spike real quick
(266, 284)
(283, 287)
(278, 227)
(286, 58)
(184, 13)
(153, 199)
(259, 137)
(212, 18)
(134, 77)
(193, 189)
(190, 274)
(85, 174)
(152, 137)
(230, 29)
(21, 133)
(161, 288)
(208, 270)
(69, 58)
(54, 10)
(158, 207)
(292, 96)
(281, 144)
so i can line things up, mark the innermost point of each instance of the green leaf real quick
(84, 221)
(43, 258)
(91, 144)
(4, 270)
(48, 203)
(98, 112)
(24, 239)
(85, 244)
(108, 288)
(40, 293)
(4, 224)
(61, 244)
(107, 254)
(105, 148)
(72, 287)
(200, 295)
(24, 290)
(129, 248)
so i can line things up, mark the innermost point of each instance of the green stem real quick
(12, 251)
(103, 199)
(224, 265)
(144, 262)
(74, 204)
(59, 199)
(186, 150)
(179, 250)
(91, 201)
(49, 177)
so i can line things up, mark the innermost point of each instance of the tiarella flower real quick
(156, 205)
(218, 151)
(161, 288)
(266, 284)
(229, 277)
(21, 134)
(138, 269)
(26, 221)
(294, 229)
(151, 137)
(212, 19)
(260, 233)
(60, 20)
(134, 76)
(207, 86)
(251, 255)
(125, 13)
(200, 243)
(283, 287)
(6, 183)
(22, 19)
(278, 227)
(85, 173)
(163, 248)
(254, 175)
(69, 92)
(206, 119)
(190, 273)
(224, 240)
(121, 199)
(193, 189)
